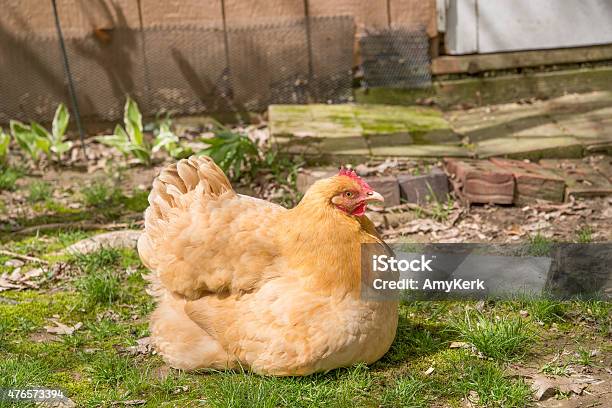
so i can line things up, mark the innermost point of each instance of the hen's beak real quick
(374, 196)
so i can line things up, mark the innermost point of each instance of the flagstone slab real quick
(530, 147)
(591, 126)
(422, 151)
(342, 129)
(510, 119)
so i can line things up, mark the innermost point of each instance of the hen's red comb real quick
(351, 173)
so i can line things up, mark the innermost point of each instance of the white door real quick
(485, 26)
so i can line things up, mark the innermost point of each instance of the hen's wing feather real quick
(201, 237)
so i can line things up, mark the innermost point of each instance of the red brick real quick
(533, 182)
(481, 181)
(581, 179)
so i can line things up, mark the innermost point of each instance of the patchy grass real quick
(539, 245)
(558, 369)
(486, 385)
(585, 235)
(8, 177)
(501, 338)
(405, 392)
(105, 291)
(583, 357)
(99, 194)
(39, 191)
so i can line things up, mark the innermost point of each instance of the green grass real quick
(101, 286)
(559, 369)
(539, 245)
(100, 194)
(501, 338)
(94, 369)
(583, 357)
(585, 235)
(39, 191)
(544, 309)
(491, 387)
(8, 177)
(406, 392)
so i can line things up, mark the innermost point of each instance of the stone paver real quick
(361, 129)
(388, 187)
(564, 127)
(531, 147)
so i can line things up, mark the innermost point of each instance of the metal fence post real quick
(309, 49)
(71, 90)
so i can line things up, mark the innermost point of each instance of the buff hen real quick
(242, 282)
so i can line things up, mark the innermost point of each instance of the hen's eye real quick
(348, 194)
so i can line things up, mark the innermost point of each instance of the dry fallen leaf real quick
(5, 284)
(14, 263)
(459, 344)
(61, 328)
(129, 402)
(543, 387)
(143, 346)
(547, 387)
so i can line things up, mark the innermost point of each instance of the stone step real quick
(353, 130)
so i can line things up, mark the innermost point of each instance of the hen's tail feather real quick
(176, 188)
(176, 180)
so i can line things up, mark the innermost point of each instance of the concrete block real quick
(308, 177)
(388, 187)
(424, 188)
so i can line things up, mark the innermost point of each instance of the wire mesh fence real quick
(180, 69)
(396, 58)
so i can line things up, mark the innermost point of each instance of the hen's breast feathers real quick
(200, 236)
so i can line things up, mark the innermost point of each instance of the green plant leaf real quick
(165, 138)
(5, 140)
(119, 140)
(40, 131)
(142, 155)
(61, 148)
(60, 123)
(43, 144)
(133, 122)
(25, 138)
